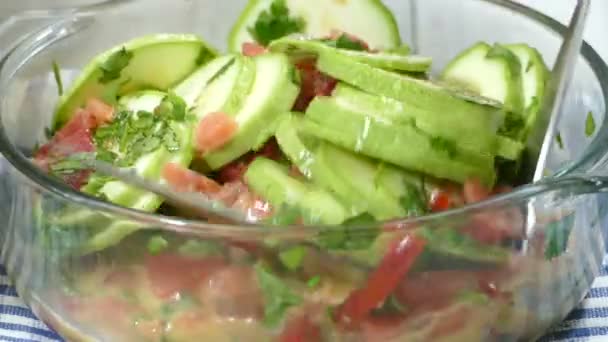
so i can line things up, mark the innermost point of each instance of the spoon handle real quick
(201, 205)
(542, 135)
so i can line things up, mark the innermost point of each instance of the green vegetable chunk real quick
(278, 298)
(275, 23)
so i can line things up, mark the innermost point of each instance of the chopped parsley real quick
(204, 55)
(413, 201)
(157, 244)
(275, 23)
(445, 145)
(278, 297)
(199, 248)
(345, 237)
(132, 135)
(292, 258)
(346, 43)
(314, 281)
(559, 140)
(556, 236)
(589, 125)
(57, 75)
(285, 216)
(113, 66)
(73, 163)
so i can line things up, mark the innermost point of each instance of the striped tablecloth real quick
(588, 322)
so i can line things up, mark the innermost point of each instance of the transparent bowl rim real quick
(591, 158)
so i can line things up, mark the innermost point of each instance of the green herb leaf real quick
(157, 244)
(413, 201)
(314, 281)
(204, 55)
(113, 66)
(345, 42)
(292, 258)
(173, 107)
(278, 298)
(199, 248)
(589, 125)
(347, 237)
(73, 163)
(58, 81)
(275, 23)
(285, 215)
(557, 234)
(559, 140)
(445, 145)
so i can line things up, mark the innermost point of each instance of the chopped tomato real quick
(382, 282)
(382, 328)
(75, 137)
(103, 112)
(301, 329)
(214, 131)
(435, 289)
(186, 180)
(170, 274)
(233, 292)
(474, 191)
(253, 49)
(440, 201)
(314, 83)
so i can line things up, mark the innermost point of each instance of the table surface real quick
(588, 322)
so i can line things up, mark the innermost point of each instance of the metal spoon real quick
(200, 205)
(543, 133)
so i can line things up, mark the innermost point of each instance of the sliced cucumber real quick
(455, 127)
(383, 60)
(359, 175)
(398, 144)
(302, 151)
(191, 88)
(242, 87)
(369, 20)
(535, 75)
(272, 182)
(415, 92)
(218, 92)
(272, 95)
(154, 62)
(493, 72)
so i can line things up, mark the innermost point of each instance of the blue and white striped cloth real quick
(588, 322)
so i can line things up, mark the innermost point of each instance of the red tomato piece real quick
(382, 282)
(233, 292)
(301, 329)
(314, 83)
(474, 191)
(253, 49)
(440, 201)
(214, 131)
(75, 137)
(103, 112)
(170, 274)
(185, 180)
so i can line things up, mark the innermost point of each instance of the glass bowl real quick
(515, 291)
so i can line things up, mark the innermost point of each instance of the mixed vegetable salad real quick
(333, 123)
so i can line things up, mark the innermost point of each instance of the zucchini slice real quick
(153, 62)
(263, 21)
